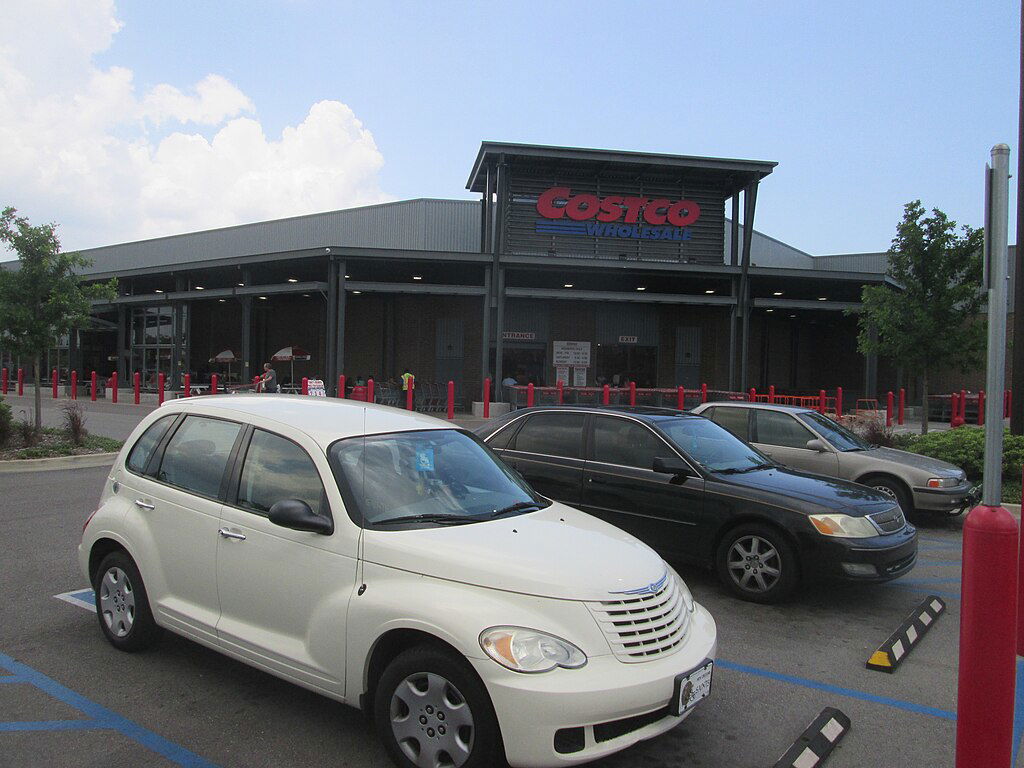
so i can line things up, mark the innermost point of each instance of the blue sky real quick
(864, 106)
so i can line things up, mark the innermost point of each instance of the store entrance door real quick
(524, 362)
(687, 357)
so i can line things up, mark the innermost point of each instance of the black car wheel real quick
(894, 490)
(757, 563)
(122, 605)
(431, 710)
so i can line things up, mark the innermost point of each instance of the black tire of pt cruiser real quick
(787, 582)
(488, 750)
(144, 630)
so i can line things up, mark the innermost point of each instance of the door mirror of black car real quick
(672, 465)
(818, 445)
(297, 515)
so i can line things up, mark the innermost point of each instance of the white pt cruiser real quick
(391, 561)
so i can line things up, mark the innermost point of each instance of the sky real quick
(122, 121)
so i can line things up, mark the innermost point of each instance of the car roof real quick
(645, 412)
(758, 406)
(324, 419)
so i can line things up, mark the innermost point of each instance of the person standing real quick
(408, 380)
(269, 379)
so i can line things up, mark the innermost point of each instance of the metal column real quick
(247, 363)
(485, 338)
(749, 204)
(339, 327)
(332, 309)
(122, 368)
(499, 332)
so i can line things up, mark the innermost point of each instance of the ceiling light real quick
(642, 288)
(357, 292)
(417, 277)
(769, 310)
(293, 280)
(199, 287)
(708, 291)
(777, 293)
(263, 298)
(567, 285)
(221, 300)
(240, 285)
(305, 295)
(159, 291)
(792, 315)
(823, 298)
(348, 276)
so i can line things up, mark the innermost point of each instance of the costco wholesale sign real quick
(641, 218)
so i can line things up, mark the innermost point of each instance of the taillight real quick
(89, 519)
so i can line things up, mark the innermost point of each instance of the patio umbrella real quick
(290, 355)
(227, 357)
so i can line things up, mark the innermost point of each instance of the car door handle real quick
(144, 505)
(231, 534)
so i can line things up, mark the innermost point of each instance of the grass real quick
(55, 442)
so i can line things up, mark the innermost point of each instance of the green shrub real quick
(965, 447)
(6, 423)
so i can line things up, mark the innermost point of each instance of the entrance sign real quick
(316, 388)
(518, 335)
(572, 353)
(579, 376)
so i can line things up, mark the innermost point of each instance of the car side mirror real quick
(816, 444)
(297, 515)
(672, 465)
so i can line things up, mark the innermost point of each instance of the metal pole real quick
(997, 273)
(1017, 371)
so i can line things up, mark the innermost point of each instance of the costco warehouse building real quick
(650, 262)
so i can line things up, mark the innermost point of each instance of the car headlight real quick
(943, 482)
(527, 650)
(844, 525)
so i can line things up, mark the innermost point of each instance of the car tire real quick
(122, 605)
(894, 489)
(757, 563)
(420, 696)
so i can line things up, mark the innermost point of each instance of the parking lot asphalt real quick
(71, 700)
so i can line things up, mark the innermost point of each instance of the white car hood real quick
(556, 552)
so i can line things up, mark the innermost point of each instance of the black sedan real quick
(695, 492)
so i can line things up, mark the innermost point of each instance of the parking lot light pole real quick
(988, 610)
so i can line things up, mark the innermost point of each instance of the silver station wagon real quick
(804, 439)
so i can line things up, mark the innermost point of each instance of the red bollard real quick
(451, 399)
(21, 382)
(981, 408)
(632, 393)
(1020, 585)
(3, 381)
(74, 385)
(487, 398)
(988, 638)
(409, 403)
(822, 400)
(187, 386)
(92, 387)
(558, 388)
(839, 402)
(704, 393)
(369, 391)
(605, 395)
(161, 380)
(752, 395)
(963, 406)
(138, 386)
(529, 395)
(341, 386)
(899, 412)
(53, 382)
(681, 398)
(113, 387)
(305, 385)
(888, 409)
(954, 410)
(771, 393)
(213, 384)
(1007, 399)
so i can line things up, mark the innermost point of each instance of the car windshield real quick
(436, 477)
(713, 447)
(840, 437)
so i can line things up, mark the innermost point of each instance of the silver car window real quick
(781, 429)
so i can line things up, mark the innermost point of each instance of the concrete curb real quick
(57, 462)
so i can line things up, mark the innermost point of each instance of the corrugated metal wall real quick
(768, 252)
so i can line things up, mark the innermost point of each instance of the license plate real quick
(691, 687)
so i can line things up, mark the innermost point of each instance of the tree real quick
(43, 298)
(930, 323)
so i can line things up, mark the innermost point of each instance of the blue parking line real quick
(1018, 711)
(940, 563)
(909, 706)
(99, 717)
(922, 590)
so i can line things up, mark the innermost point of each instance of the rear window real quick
(734, 419)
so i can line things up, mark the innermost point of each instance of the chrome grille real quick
(889, 522)
(644, 626)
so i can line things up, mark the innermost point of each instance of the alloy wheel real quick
(432, 722)
(117, 602)
(754, 564)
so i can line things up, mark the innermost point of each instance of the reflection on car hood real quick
(556, 552)
(915, 460)
(835, 495)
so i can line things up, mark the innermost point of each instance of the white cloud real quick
(81, 146)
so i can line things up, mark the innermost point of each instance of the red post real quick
(341, 386)
(408, 394)
(1007, 398)
(74, 385)
(605, 395)
(632, 393)
(213, 384)
(899, 413)
(558, 388)
(681, 398)
(704, 392)
(529, 395)
(161, 380)
(487, 398)
(138, 386)
(53, 382)
(3, 381)
(369, 391)
(771, 393)
(839, 402)
(451, 399)
(92, 387)
(888, 409)
(187, 386)
(752, 395)
(988, 634)
(954, 410)
(1020, 585)
(981, 408)
(21, 382)
(113, 386)
(305, 385)
(822, 400)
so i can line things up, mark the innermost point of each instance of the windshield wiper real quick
(738, 470)
(513, 508)
(430, 517)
